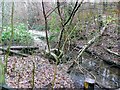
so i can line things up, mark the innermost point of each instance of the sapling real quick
(2, 74)
(33, 75)
(12, 33)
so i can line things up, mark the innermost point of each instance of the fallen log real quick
(84, 48)
(90, 42)
(93, 53)
(21, 47)
(13, 52)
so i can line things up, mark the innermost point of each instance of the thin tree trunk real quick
(63, 29)
(12, 34)
(46, 27)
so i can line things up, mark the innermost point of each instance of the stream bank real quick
(107, 75)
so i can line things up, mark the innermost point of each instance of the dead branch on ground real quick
(111, 52)
(21, 47)
(13, 52)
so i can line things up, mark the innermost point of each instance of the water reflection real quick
(106, 74)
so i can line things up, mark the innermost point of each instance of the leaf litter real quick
(19, 73)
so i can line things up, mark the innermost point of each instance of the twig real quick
(111, 52)
(58, 7)
(68, 37)
(51, 12)
(73, 12)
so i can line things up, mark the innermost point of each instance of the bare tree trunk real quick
(46, 26)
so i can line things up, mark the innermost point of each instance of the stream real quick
(106, 74)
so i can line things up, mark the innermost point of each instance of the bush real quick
(21, 35)
(54, 27)
(38, 27)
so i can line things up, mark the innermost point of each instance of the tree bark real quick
(46, 26)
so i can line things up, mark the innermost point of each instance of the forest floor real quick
(20, 69)
(20, 73)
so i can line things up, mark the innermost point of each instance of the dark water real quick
(106, 74)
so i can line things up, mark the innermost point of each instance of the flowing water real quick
(106, 74)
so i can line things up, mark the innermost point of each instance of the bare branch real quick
(58, 7)
(76, 10)
(52, 11)
(71, 15)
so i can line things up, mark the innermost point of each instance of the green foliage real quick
(21, 35)
(54, 27)
(52, 37)
(108, 19)
(38, 27)
(53, 23)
